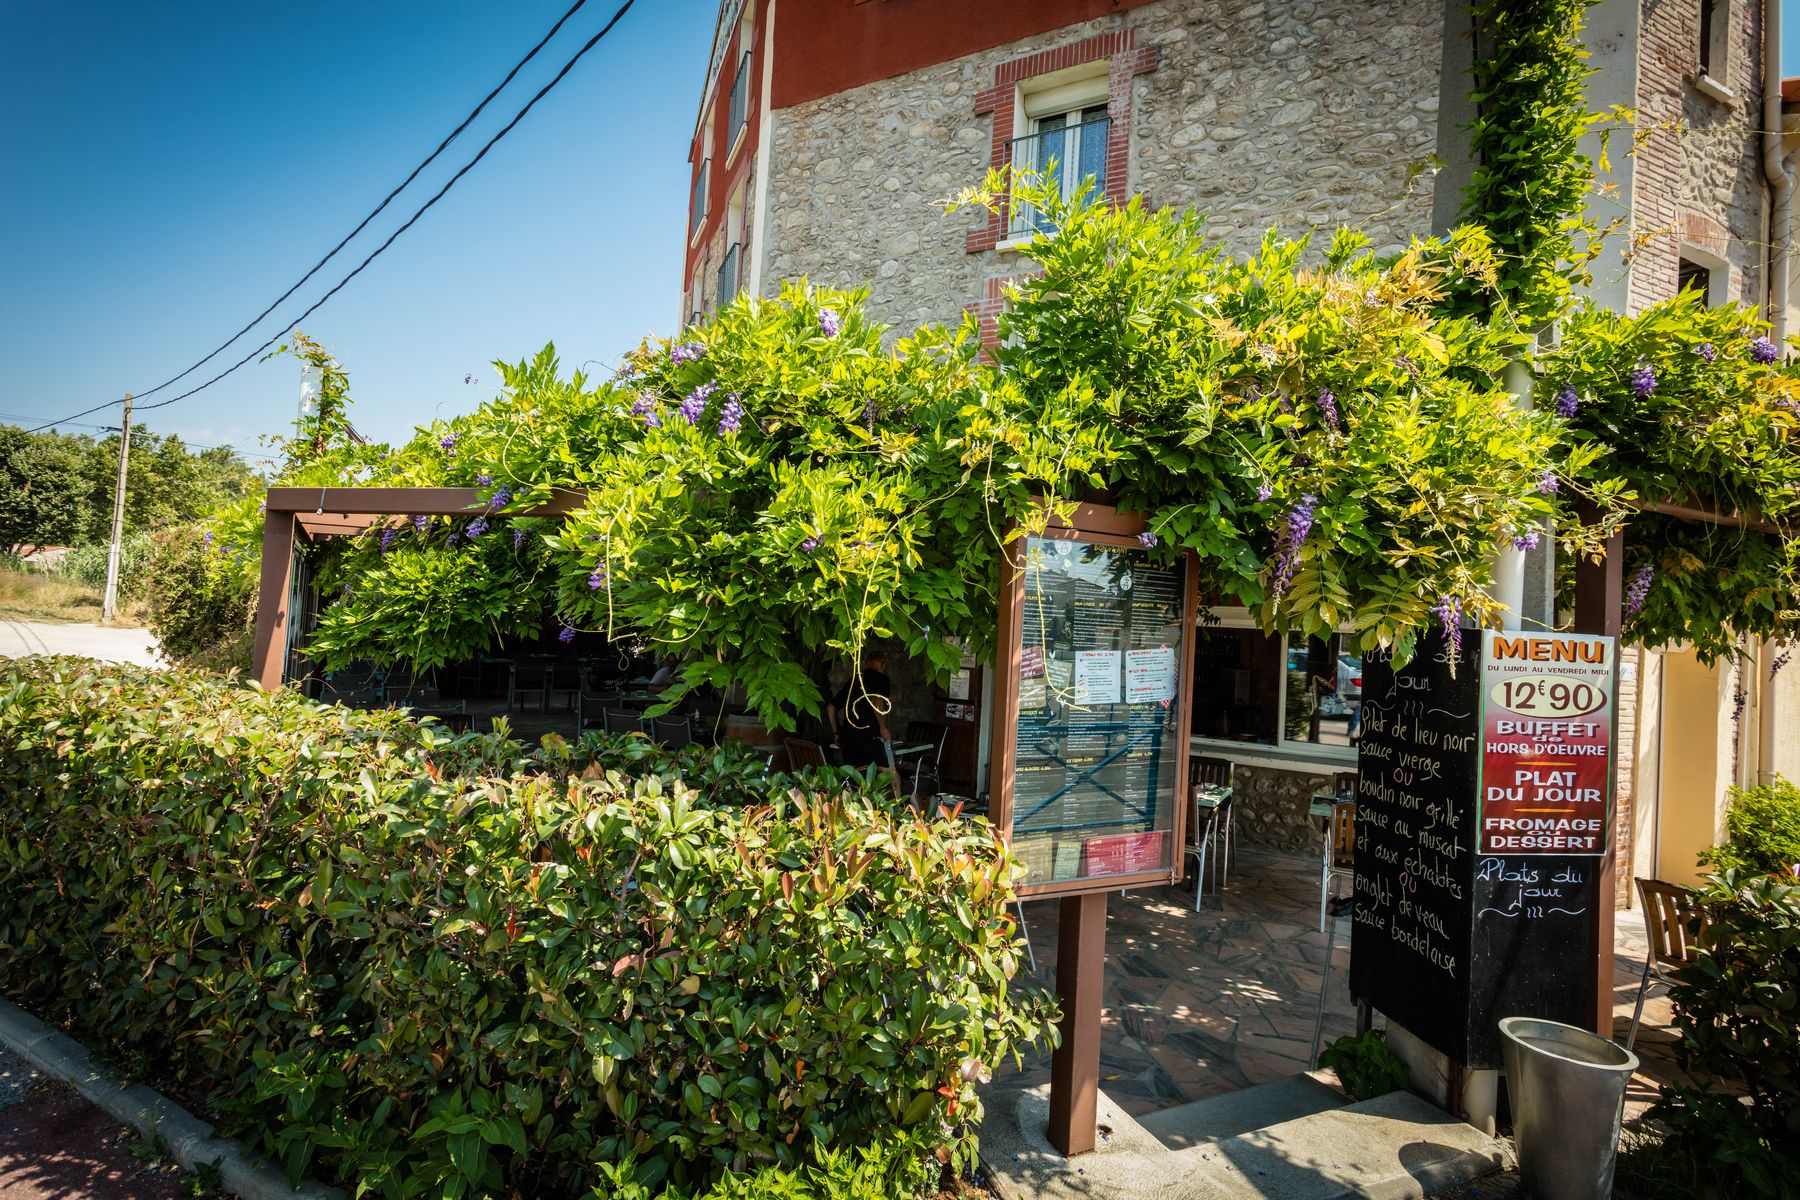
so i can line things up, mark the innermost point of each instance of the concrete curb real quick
(190, 1140)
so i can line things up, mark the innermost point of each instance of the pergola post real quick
(1599, 609)
(269, 659)
(1075, 1066)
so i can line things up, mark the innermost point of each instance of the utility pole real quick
(109, 606)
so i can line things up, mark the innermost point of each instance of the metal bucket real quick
(1568, 1094)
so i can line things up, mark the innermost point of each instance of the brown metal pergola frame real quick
(316, 513)
(322, 512)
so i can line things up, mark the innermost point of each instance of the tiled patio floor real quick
(1198, 1004)
(1203, 1003)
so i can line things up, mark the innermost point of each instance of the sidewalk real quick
(54, 1145)
(20, 638)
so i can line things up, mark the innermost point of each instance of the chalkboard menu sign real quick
(1482, 803)
(1100, 749)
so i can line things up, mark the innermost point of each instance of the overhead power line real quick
(376, 253)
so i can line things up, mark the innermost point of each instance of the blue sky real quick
(170, 168)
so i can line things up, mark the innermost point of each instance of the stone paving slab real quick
(1394, 1147)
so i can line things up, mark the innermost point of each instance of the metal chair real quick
(927, 762)
(1338, 859)
(1210, 818)
(1669, 911)
(672, 733)
(529, 677)
(622, 721)
(565, 677)
(401, 684)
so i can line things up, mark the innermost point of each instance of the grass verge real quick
(29, 596)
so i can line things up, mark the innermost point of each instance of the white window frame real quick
(1058, 94)
(1284, 754)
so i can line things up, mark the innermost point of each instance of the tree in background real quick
(44, 487)
(57, 489)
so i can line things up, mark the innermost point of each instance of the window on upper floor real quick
(1691, 276)
(1700, 269)
(697, 202)
(1712, 49)
(739, 111)
(731, 267)
(1065, 149)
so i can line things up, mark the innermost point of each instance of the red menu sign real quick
(1546, 742)
(1124, 853)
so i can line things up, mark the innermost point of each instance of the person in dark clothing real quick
(858, 714)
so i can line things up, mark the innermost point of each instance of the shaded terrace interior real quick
(1223, 982)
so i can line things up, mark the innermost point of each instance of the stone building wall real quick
(1303, 113)
(1272, 807)
(1697, 177)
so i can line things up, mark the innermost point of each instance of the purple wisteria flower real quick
(448, 442)
(686, 352)
(1779, 661)
(810, 544)
(597, 579)
(421, 523)
(500, 499)
(1293, 536)
(731, 415)
(451, 540)
(518, 538)
(1637, 588)
(695, 404)
(478, 526)
(1264, 492)
(1328, 409)
(1406, 364)
(1568, 400)
(1705, 350)
(1643, 379)
(1548, 483)
(206, 539)
(484, 481)
(871, 413)
(1527, 541)
(387, 539)
(1449, 615)
(1147, 540)
(566, 634)
(830, 324)
(1762, 350)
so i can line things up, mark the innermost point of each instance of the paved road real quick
(19, 638)
(55, 1146)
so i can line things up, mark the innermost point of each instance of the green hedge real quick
(1737, 1021)
(384, 969)
(1763, 824)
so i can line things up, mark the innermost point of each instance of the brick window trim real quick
(1126, 60)
(987, 310)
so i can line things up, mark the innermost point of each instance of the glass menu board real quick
(1099, 737)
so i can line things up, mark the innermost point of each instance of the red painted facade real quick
(829, 46)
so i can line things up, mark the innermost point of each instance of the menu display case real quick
(1095, 707)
